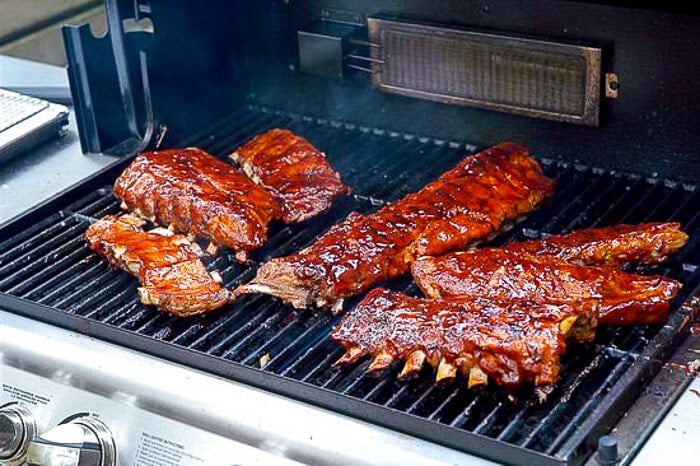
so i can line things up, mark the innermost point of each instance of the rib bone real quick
(477, 377)
(445, 372)
(350, 356)
(414, 364)
(381, 361)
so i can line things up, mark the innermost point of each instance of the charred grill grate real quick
(44, 260)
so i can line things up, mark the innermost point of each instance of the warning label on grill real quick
(158, 451)
(24, 396)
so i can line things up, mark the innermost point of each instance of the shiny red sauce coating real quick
(168, 266)
(512, 342)
(624, 298)
(648, 243)
(197, 193)
(295, 172)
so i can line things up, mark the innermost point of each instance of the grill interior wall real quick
(49, 263)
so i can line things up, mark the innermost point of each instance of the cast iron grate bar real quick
(455, 402)
(425, 404)
(573, 423)
(49, 263)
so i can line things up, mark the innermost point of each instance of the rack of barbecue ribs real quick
(197, 193)
(296, 173)
(648, 243)
(624, 298)
(168, 265)
(511, 342)
(466, 204)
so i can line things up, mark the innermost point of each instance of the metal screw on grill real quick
(607, 451)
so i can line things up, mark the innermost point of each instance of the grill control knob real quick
(84, 441)
(17, 429)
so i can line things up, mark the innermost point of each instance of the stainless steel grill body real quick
(48, 273)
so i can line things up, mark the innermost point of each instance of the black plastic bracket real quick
(111, 91)
(323, 48)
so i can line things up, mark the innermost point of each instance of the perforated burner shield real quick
(525, 76)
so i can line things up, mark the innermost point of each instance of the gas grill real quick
(48, 274)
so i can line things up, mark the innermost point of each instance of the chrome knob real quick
(17, 429)
(84, 441)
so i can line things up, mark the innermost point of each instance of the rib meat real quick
(197, 193)
(467, 203)
(648, 243)
(168, 266)
(511, 342)
(624, 299)
(296, 173)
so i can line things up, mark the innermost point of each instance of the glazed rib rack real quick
(47, 272)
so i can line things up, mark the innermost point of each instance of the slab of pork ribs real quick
(199, 194)
(291, 169)
(511, 342)
(465, 204)
(647, 243)
(168, 265)
(624, 298)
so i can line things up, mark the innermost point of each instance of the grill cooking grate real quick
(45, 260)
